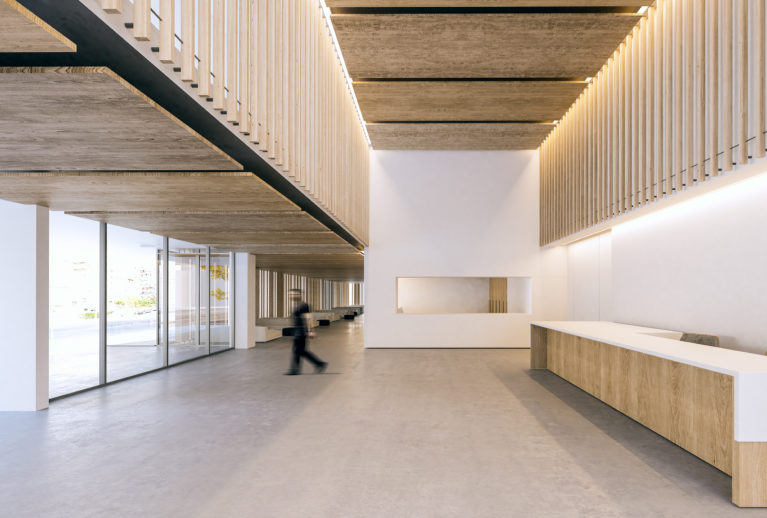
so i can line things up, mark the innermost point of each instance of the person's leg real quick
(298, 350)
(319, 365)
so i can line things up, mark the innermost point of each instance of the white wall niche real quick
(461, 295)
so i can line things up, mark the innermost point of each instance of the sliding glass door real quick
(188, 337)
(134, 336)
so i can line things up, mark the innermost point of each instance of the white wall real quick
(698, 266)
(456, 213)
(24, 307)
(245, 301)
(589, 279)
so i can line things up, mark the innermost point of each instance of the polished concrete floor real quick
(384, 433)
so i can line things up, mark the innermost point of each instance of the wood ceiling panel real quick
(328, 266)
(170, 223)
(89, 119)
(22, 31)
(261, 238)
(476, 136)
(134, 191)
(290, 249)
(499, 45)
(483, 3)
(466, 100)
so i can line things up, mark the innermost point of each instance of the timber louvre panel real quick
(271, 66)
(688, 107)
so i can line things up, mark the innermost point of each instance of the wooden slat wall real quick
(681, 100)
(319, 293)
(272, 67)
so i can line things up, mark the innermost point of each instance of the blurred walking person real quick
(302, 330)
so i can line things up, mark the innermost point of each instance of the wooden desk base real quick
(690, 406)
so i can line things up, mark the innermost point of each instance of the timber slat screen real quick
(681, 101)
(272, 68)
(320, 294)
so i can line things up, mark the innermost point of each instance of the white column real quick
(24, 307)
(245, 301)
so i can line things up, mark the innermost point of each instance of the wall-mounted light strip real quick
(326, 14)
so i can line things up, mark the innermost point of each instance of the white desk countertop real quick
(665, 344)
(748, 370)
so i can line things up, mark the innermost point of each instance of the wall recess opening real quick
(459, 295)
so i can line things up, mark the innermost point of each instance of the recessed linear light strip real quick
(329, 24)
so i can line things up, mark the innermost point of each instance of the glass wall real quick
(134, 319)
(219, 295)
(134, 291)
(74, 303)
(187, 330)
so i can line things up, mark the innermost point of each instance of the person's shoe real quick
(292, 373)
(319, 369)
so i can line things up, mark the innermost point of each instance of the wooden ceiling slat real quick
(141, 191)
(261, 238)
(466, 100)
(499, 45)
(169, 223)
(328, 266)
(22, 31)
(468, 136)
(90, 119)
(290, 249)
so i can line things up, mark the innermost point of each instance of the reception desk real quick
(710, 401)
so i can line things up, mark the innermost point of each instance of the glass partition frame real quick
(203, 310)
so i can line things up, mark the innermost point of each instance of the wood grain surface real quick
(479, 45)
(484, 3)
(140, 191)
(101, 123)
(22, 31)
(689, 406)
(500, 136)
(466, 100)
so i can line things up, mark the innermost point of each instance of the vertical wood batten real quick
(622, 117)
(660, 99)
(243, 74)
(680, 14)
(650, 109)
(187, 38)
(204, 48)
(642, 113)
(689, 69)
(759, 72)
(743, 81)
(112, 6)
(635, 94)
(219, 53)
(262, 71)
(232, 64)
(727, 86)
(271, 74)
(253, 82)
(713, 75)
(667, 147)
(142, 20)
(700, 81)
(167, 31)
